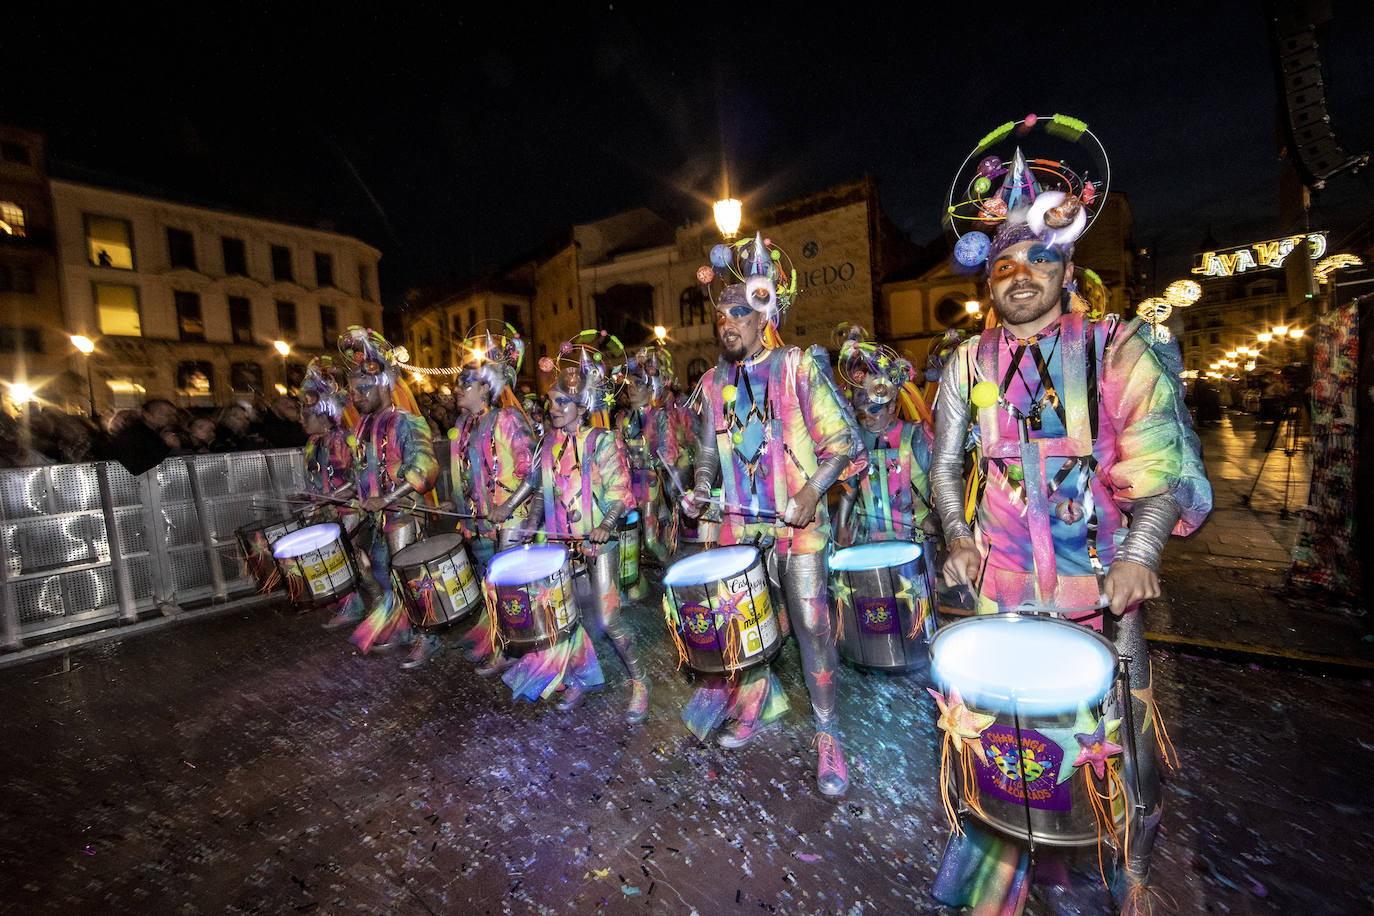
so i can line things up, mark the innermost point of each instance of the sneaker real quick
(424, 648)
(573, 696)
(397, 641)
(832, 775)
(639, 702)
(341, 620)
(496, 664)
(741, 733)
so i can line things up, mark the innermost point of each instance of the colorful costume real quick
(772, 424)
(393, 458)
(581, 483)
(1074, 428)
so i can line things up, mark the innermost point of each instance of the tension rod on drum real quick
(1025, 788)
(1129, 714)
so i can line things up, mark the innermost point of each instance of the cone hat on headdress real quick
(582, 370)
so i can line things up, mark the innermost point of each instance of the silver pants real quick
(599, 599)
(1143, 765)
(803, 581)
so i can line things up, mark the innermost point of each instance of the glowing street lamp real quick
(1280, 330)
(87, 347)
(1231, 354)
(1295, 333)
(1243, 351)
(284, 349)
(729, 213)
(1265, 337)
(660, 332)
(973, 306)
(21, 393)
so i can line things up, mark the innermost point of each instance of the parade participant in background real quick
(328, 457)
(655, 436)
(776, 431)
(580, 488)
(891, 502)
(491, 454)
(1086, 456)
(393, 461)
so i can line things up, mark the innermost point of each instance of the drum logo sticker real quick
(514, 607)
(699, 626)
(877, 615)
(1035, 781)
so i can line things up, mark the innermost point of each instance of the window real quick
(245, 377)
(365, 283)
(510, 314)
(189, 321)
(12, 220)
(324, 269)
(15, 152)
(692, 307)
(472, 318)
(286, 317)
(458, 327)
(117, 307)
(281, 263)
(196, 382)
(1214, 337)
(241, 319)
(20, 340)
(181, 248)
(109, 242)
(235, 257)
(16, 278)
(329, 324)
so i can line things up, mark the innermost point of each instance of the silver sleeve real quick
(611, 517)
(952, 416)
(523, 492)
(1152, 518)
(827, 473)
(848, 497)
(708, 457)
(402, 489)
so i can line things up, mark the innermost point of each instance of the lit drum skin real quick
(317, 564)
(727, 621)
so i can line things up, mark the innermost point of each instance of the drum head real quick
(441, 545)
(523, 565)
(710, 566)
(876, 556)
(1018, 663)
(305, 540)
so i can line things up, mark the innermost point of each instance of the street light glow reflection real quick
(84, 344)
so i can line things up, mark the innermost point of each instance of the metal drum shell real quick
(885, 646)
(452, 577)
(523, 625)
(630, 532)
(319, 575)
(256, 540)
(1076, 826)
(702, 638)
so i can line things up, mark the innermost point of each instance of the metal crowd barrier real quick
(89, 546)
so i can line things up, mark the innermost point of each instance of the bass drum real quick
(532, 594)
(436, 580)
(720, 612)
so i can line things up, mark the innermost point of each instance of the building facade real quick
(187, 302)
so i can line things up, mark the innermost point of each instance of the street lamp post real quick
(729, 213)
(660, 333)
(87, 347)
(284, 349)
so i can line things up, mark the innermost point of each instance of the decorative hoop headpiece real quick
(494, 355)
(999, 197)
(756, 273)
(321, 393)
(582, 370)
(650, 366)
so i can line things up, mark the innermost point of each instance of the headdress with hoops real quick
(495, 355)
(367, 353)
(321, 391)
(582, 369)
(756, 273)
(880, 372)
(650, 366)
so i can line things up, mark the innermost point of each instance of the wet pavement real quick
(253, 763)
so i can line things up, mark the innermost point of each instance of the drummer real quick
(1079, 420)
(777, 432)
(492, 448)
(891, 502)
(393, 460)
(655, 434)
(329, 459)
(579, 491)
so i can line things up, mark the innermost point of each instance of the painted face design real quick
(564, 410)
(740, 330)
(1025, 282)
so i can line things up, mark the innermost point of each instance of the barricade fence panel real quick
(173, 526)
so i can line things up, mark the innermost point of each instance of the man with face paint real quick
(655, 436)
(776, 431)
(1088, 461)
(492, 451)
(393, 460)
(891, 502)
(580, 489)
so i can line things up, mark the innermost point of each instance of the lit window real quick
(12, 219)
(189, 320)
(109, 242)
(117, 306)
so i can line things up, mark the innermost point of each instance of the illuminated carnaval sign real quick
(1257, 256)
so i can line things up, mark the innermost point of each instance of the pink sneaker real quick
(639, 702)
(832, 775)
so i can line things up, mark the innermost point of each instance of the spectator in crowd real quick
(281, 426)
(75, 439)
(234, 429)
(200, 436)
(140, 446)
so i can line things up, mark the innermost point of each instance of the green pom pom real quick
(728, 392)
(777, 255)
(453, 433)
(982, 185)
(738, 437)
(984, 394)
(1015, 474)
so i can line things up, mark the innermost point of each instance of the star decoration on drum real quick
(960, 724)
(844, 593)
(1064, 737)
(730, 601)
(1094, 749)
(545, 596)
(907, 591)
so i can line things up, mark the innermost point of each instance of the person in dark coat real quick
(140, 446)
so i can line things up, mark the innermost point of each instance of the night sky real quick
(457, 141)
